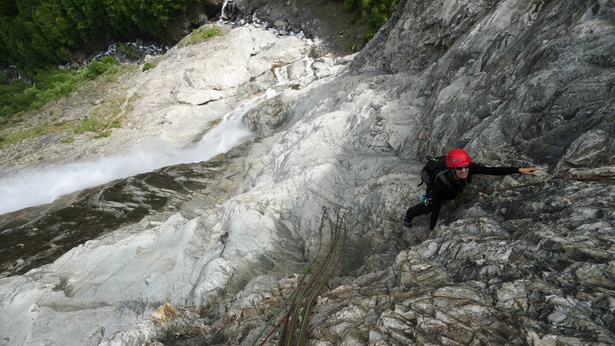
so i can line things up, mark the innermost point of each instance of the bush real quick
(374, 12)
(109, 60)
(148, 66)
(42, 33)
(200, 35)
(95, 69)
(15, 98)
(53, 84)
(211, 32)
(128, 51)
(48, 85)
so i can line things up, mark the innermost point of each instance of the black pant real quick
(419, 209)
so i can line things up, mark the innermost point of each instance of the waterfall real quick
(223, 15)
(44, 186)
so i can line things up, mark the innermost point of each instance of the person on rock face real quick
(451, 183)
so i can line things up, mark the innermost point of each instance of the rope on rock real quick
(471, 195)
(309, 285)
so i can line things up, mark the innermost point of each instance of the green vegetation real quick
(211, 32)
(97, 68)
(128, 51)
(36, 34)
(103, 118)
(201, 34)
(89, 125)
(18, 97)
(101, 126)
(103, 134)
(374, 12)
(117, 123)
(148, 66)
(38, 130)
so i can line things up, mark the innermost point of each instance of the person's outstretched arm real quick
(479, 169)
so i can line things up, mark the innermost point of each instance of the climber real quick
(450, 183)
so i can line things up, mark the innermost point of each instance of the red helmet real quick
(457, 158)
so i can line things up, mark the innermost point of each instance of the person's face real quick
(462, 172)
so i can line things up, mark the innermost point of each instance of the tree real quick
(39, 33)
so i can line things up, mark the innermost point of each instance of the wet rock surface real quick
(190, 90)
(528, 266)
(335, 30)
(39, 235)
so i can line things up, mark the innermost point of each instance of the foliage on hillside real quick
(38, 33)
(17, 98)
(35, 34)
(374, 12)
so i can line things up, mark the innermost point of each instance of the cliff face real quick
(515, 83)
(535, 76)
(520, 83)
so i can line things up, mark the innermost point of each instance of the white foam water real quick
(41, 187)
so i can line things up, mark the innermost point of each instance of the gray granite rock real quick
(514, 82)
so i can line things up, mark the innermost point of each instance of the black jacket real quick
(443, 192)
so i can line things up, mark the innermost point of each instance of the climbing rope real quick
(309, 285)
(471, 195)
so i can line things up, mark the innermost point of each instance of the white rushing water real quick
(104, 291)
(36, 188)
(44, 186)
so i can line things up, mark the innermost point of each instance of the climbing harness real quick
(427, 198)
